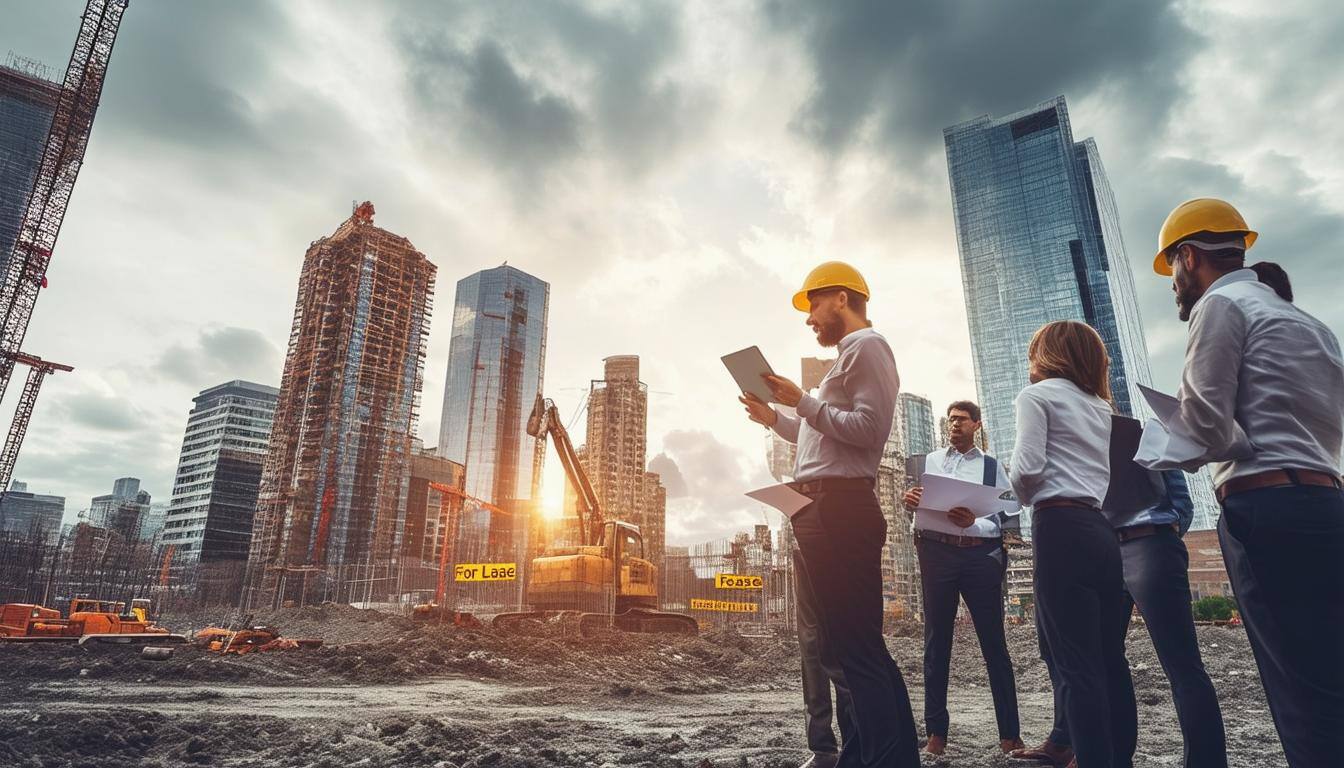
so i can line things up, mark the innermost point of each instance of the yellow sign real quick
(731, 581)
(722, 605)
(485, 571)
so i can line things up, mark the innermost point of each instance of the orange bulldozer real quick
(88, 620)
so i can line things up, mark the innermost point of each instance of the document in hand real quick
(1132, 488)
(942, 493)
(746, 366)
(781, 497)
(1165, 443)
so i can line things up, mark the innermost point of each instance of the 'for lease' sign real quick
(485, 571)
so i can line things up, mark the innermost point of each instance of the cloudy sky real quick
(672, 169)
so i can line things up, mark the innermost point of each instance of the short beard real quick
(831, 332)
(1185, 302)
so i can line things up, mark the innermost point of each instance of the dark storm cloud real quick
(912, 69)
(219, 355)
(569, 81)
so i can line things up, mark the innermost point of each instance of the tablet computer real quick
(746, 366)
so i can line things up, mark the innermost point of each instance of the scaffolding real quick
(334, 482)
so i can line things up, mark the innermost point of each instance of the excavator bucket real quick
(535, 420)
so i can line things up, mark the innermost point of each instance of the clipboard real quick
(1133, 488)
(746, 367)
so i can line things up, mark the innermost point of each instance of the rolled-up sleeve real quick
(1208, 394)
(1029, 451)
(872, 384)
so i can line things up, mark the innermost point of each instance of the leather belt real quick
(1275, 478)
(954, 540)
(1132, 532)
(1063, 502)
(825, 484)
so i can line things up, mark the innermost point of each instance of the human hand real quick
(912, 497)
(757, 410)
(961, 517)
(783, 390)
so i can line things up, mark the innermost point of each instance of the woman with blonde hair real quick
(1061, 469)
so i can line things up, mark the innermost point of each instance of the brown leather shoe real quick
(937, 745)
(1048, 752)
(1008, 746)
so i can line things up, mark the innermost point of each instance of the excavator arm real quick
(545, 420)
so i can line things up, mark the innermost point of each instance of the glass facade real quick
(496, 361)
(218, 473)
(916, 427)
(1039, 238)
(27, 104)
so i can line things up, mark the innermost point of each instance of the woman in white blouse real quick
(1061, 468)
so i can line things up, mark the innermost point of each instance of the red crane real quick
(63, 154)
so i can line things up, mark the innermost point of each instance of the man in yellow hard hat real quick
(1262, 401)
(841, 434)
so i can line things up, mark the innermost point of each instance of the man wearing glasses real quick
(962, 556)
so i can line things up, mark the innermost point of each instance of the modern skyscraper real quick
(25, 513)
(916, 423)
(334, 481)
(496, 362)
(209, 520)
(123, 510)
(27, 104)
(1039, 238)
(615, 452)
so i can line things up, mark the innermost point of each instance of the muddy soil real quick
(387, 691)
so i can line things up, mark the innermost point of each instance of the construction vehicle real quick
(102, 621)
(605, 580)
(249, 639)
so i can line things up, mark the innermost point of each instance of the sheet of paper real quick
(781, 497)
(1160, 448)
(1165, 406)
(943, 493)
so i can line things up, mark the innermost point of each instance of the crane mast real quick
(62, 155)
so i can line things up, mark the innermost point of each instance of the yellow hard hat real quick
(831, 274)
(1203, 214)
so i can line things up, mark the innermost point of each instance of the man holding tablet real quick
(840, 435)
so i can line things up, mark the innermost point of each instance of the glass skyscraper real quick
(27, 104)
(916, 423)
(496, 361)
(1039, 237)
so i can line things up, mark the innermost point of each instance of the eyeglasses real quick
(957, 419)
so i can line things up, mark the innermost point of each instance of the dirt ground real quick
(386, 691)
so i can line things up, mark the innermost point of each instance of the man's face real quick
(824, 318)
(1183, 284)
(960, 426)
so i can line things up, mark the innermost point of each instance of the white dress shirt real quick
(968, 466)
(842, 431)
(1262, 387)
(1063, 445)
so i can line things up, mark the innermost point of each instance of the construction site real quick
(328, 591)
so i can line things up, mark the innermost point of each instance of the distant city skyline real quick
(672, 208)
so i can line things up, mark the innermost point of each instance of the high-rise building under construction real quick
(328, 513)
(615, 453)
(496, 362)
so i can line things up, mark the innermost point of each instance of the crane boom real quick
(545, 420)
(25, 273)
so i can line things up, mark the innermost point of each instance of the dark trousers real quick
(1157, 579)
(840, 535)
(975, 574)
(817, 676)
(1079, 586)
(1284, 550)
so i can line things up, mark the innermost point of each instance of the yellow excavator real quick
(605, 580)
